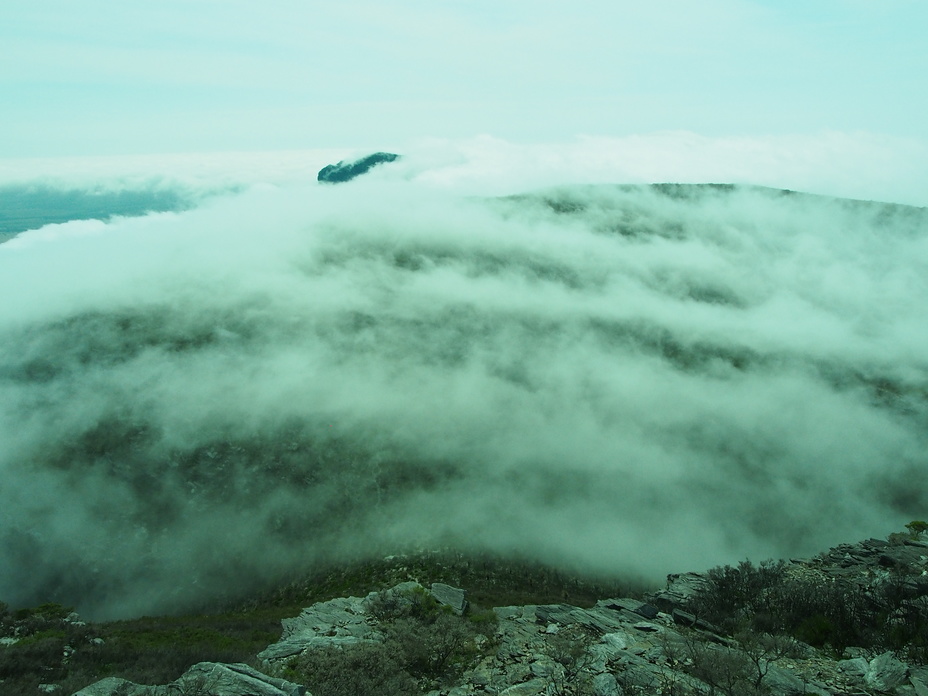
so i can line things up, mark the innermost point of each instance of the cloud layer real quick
(633, 380)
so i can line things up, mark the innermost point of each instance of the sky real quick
(179, 76)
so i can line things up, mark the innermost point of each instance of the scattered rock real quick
(885, 672)
(783, 682)
(606, 685)
(855, 667)
(648, 611)
(680, 588)
(684, 618)
(449, 596)
(535, 687)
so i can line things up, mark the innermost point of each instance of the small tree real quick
(917, 528)
(362, 669)
(570, 649)
(762, 650)
(723, 669)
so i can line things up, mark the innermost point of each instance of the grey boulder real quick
(206, 677)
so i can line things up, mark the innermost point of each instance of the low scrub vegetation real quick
(490, 580)
(50, 645)
(569, 649)
(887, 612)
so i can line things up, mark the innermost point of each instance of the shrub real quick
(364, 669)
(484, 621)
(771, 598)
(723, 669)
(887, 614)
(569, 648)
(435, 650)
(393, 604)
(763, 649)
(733, 596)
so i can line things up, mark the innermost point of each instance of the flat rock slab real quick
(207, 678)
(885, 672)
(450, 597)
(336, 622)
(237, 680)
(112, 686)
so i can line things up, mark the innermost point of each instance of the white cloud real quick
(856, 165)
(388, 363)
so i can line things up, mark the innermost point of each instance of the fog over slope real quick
(625, 379)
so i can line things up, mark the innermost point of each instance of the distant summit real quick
(346, 171)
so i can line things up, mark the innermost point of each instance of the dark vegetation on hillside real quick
(885, 612)
(55, 646)
(30, 207)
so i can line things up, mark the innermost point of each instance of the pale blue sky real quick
(101, 77)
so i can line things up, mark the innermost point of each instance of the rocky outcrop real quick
(346, 171)
(206, 679)
(336, 622)
(618, 647)
(681, 587)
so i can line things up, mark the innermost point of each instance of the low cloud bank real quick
(633, 380)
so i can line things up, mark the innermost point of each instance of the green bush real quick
(434, 650)
(917, 528)
(416, 603)
(364, 669)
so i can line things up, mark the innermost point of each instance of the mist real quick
(631, 380)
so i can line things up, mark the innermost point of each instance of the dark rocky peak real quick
(346, 171)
